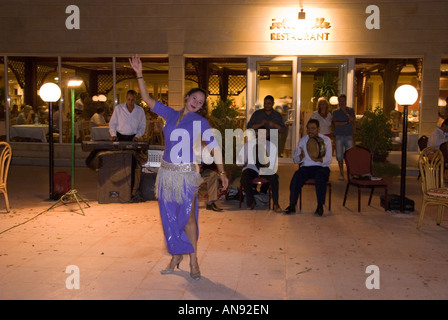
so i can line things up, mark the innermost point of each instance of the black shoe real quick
(290, 210)
(213, 207)
(252, 206)
(319, 211)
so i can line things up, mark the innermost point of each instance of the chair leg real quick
(439, 215)
(6, 200)
(422, 213)
(270, 196)
(359, 199)
(240, 194)
(345, 195)
(370, 197)
(329, 197)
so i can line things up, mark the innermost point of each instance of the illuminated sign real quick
(316, 29)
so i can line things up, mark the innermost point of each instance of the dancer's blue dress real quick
(178, 179)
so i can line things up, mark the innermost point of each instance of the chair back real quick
(422, 142)
(444, 148)
(430, 164)
(358, 161)
(5, 160)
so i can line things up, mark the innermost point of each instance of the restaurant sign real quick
(316, 29)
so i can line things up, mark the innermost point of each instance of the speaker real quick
(114, 177)
(147, 185)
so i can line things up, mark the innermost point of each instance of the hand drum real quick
(316, 147)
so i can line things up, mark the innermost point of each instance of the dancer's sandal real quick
(175, 261)
(195, 275)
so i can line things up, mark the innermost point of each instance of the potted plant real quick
(325, 86)
(222, 117)
(375, 133)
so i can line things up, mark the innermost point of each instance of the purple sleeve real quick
(163, 110)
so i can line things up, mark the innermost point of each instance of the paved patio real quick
(118, 249)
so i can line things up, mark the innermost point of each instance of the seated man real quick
(439, 135)
(310, 168)
(253, 165)
(211, 178)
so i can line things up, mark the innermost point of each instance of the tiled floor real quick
(119, 249)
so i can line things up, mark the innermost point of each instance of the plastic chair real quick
(312, 182)
(257, 181)
(5, 160)
(358, 161)
(431, 165)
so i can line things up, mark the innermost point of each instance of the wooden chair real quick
(155, 132)
(312, 182)
(256, 181)
(431, 165)
(5, 160)
(358, 161)
(422, 144)
(444, 149)
(85, 130)
(66, 131)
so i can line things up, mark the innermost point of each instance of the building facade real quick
(239, 51)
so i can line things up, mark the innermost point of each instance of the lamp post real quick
(72, 193)
(405, 95)
(73, 83)
(50, 92)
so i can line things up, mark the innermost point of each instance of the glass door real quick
(276, 77)
(321, 78)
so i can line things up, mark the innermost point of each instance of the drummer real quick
(312, 166)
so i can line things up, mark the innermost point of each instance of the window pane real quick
(3, 101)
(29, 114)
(97, 77)
(375, 83)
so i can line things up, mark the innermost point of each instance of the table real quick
(33, 131)
(412, 142)
(99, 133)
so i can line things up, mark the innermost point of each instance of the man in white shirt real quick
(128, 121)
(255, 165)
(439, 135)
(310, 168)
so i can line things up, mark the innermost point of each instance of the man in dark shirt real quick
(267, 117)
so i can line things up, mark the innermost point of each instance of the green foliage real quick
(375, 133)
(223, 115)
(326, 86)
(385, 168)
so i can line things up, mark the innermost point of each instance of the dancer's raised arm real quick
(136, 64)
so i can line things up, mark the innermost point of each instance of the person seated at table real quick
(98, 120)
(25, 116)
(310, 168)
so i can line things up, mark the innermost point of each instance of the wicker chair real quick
(5, 160)
(431, 165)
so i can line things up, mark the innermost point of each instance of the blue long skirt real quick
(174, 218)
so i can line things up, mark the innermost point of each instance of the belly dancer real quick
(179, 179)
